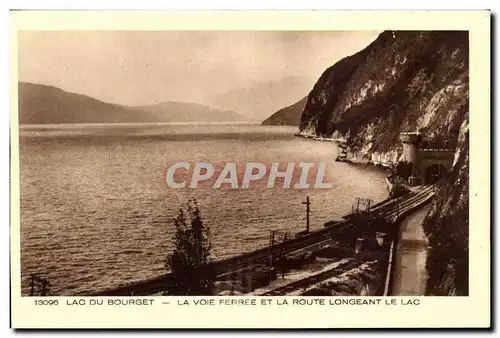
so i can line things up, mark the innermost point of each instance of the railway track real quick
(392, 216)
(389, 209)
(313, 279)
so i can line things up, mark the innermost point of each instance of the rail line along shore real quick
(354, 256)
(338, 244)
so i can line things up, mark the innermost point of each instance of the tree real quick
(188, 262)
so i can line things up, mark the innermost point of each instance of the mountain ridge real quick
(288, 116)
(261, 99)
(45, 104)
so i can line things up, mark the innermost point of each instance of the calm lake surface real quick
(96, 212)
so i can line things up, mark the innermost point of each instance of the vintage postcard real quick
(250, 169)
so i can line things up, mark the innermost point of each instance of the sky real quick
(147, 67)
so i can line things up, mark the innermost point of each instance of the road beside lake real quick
(409, 270)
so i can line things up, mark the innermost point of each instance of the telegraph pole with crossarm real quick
(307, 203)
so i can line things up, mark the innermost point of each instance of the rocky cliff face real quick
(403, 81)
(406, 81)
(447, 229)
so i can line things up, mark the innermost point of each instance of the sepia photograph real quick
(263, 163)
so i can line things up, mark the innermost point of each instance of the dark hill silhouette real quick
(288, 116)
(41, 104)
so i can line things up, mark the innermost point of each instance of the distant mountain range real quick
(259, 100)
(288, 116)
(41, 104)
(174, 111)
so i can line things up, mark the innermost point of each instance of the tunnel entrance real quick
(434, 173)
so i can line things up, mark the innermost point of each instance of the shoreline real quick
(151, 286)
(364, 164)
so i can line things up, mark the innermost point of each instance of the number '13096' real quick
(46, 302)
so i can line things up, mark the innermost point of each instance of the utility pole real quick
(271, 249)
(368, 208)
(307, 203)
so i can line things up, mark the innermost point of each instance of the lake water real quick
(96, 212)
